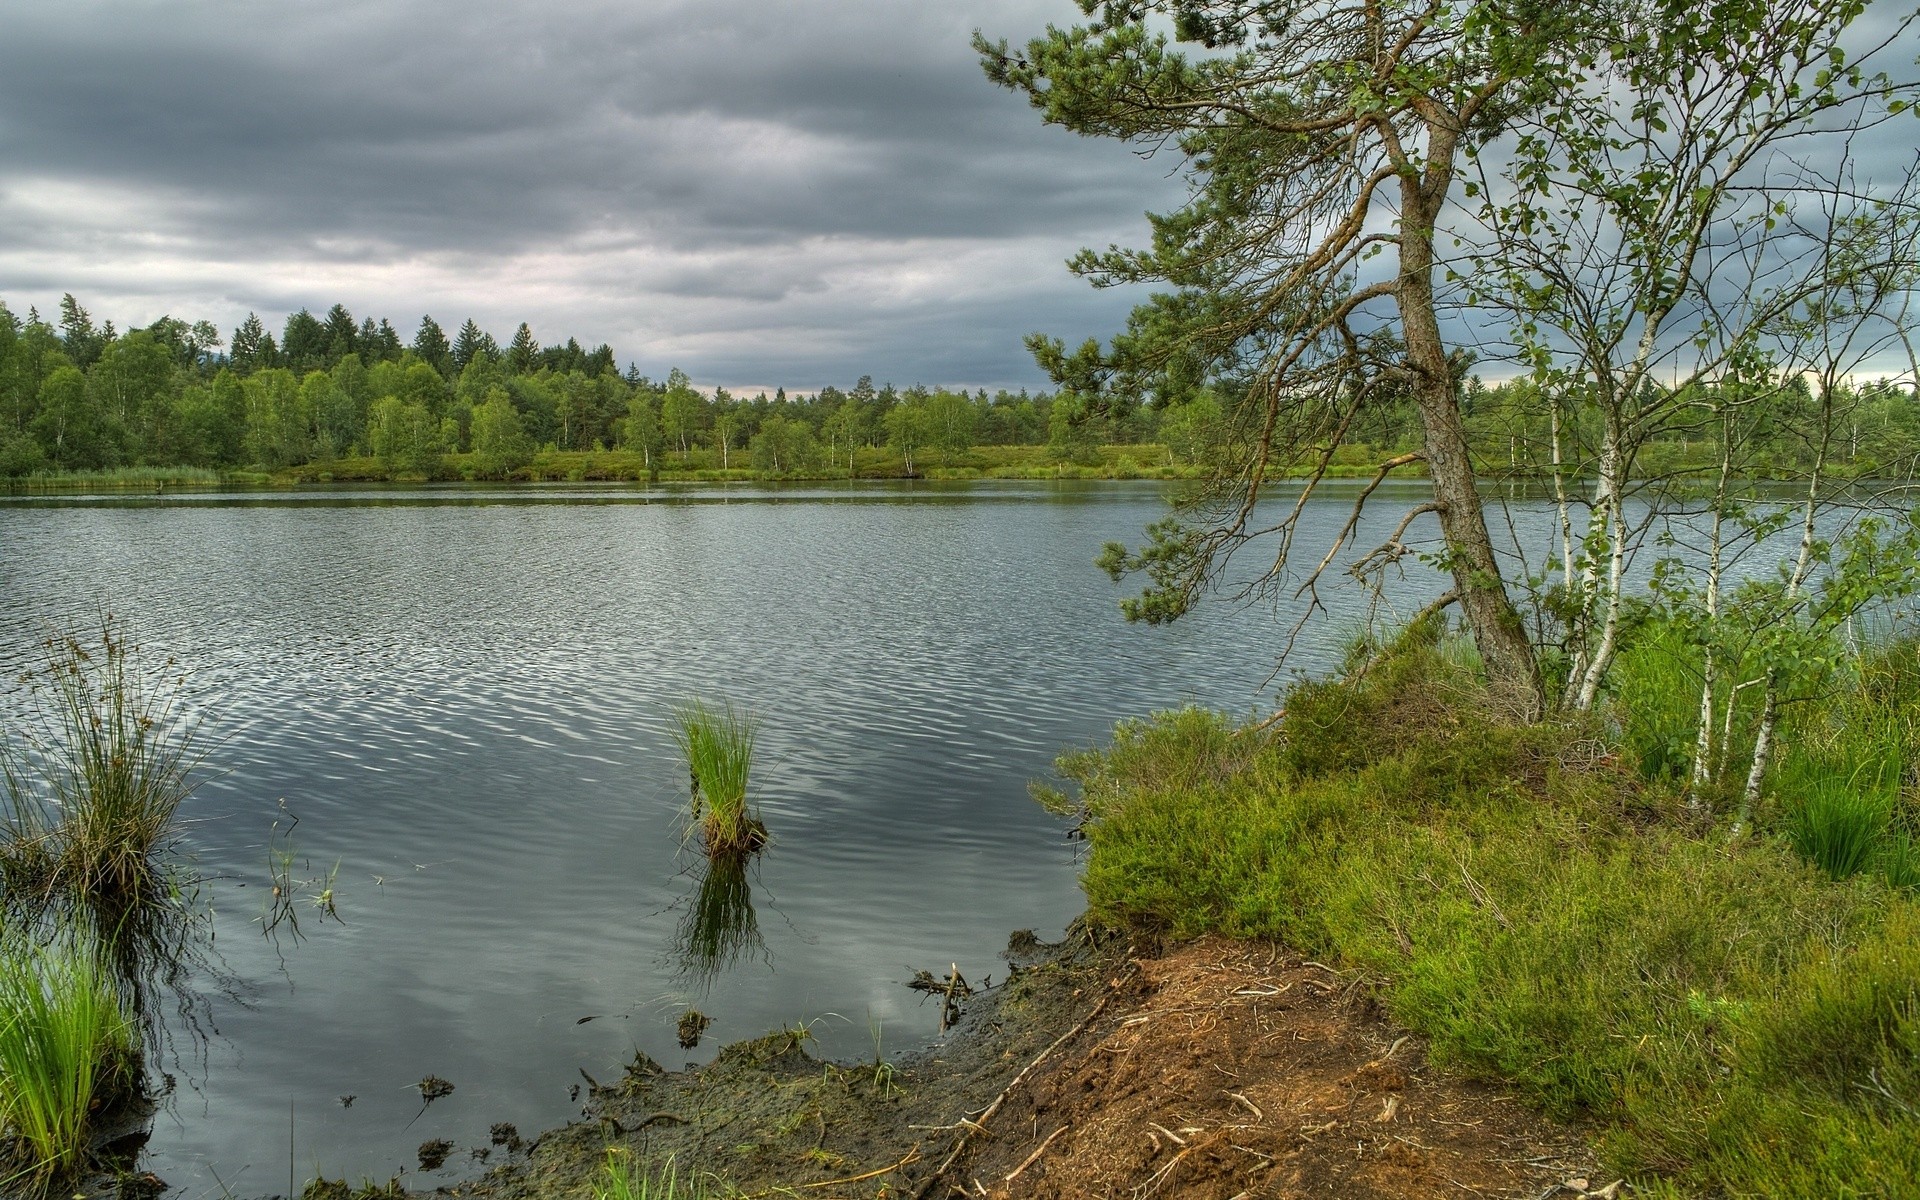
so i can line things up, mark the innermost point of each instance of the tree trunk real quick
(1491, 618)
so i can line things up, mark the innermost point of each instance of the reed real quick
(718, 745)
(68, 1049)
(92, 793)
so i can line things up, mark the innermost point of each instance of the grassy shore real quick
(1734, 1020)
(1142, 461)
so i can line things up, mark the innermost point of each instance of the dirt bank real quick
(1208, 1071)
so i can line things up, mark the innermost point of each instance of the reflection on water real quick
(470, 707)
(719, 924)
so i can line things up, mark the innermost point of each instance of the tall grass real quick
(1840, 825)
(92, 794)
(122, 477)
(67, 1049)
(718, 745)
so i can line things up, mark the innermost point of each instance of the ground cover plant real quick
(718, 746)
(1549, 912)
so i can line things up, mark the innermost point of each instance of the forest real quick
(332, 397)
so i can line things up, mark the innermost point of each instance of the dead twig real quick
(911, 1158)
(1030, 1159)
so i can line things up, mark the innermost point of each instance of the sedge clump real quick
(718, 745)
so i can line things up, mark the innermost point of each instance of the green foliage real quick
(720, 923)
(718, 746)
(92, 793)
(500, 443)
(1736, 1023)
(67, 1050)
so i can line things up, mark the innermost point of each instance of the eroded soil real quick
(1213, 1070)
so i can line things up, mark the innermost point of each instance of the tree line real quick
(81, 396)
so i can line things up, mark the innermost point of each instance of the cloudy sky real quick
(761, 192)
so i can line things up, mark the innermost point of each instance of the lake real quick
(465, 695)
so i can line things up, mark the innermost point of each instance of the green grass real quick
(1732, 1020)
(90, 795)
(1839, 824)
(718, 746)
(120, 477)
(67, 1049)
(626, 1179)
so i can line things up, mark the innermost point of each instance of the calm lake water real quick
(464, 696)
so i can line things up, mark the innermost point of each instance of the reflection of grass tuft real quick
(718, 744)
(720, 923)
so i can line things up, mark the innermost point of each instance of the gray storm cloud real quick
(759, 193)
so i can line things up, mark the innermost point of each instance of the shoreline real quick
(1099, 1061)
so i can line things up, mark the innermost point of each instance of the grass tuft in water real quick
(718, 745)
(90, 795)
(68, 1049)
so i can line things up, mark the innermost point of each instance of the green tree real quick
(1312, 135)
(681, 409)
(404, 436)
(784, 444)
(82, 342)
(303, 343)
(279, 431)
(951, 421)
(523, 355)
(73, 429)
(500, 445)
(342, 335)
(908, 430)
(472, 343)
(1192, 431)
(643, 430)
(430, 345)
(133, 382)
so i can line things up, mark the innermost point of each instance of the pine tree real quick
(343, 336)
(248, 340)
(431, 345)
(468, 344)
(524, 355)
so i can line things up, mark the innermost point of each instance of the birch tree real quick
(1689, 203)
